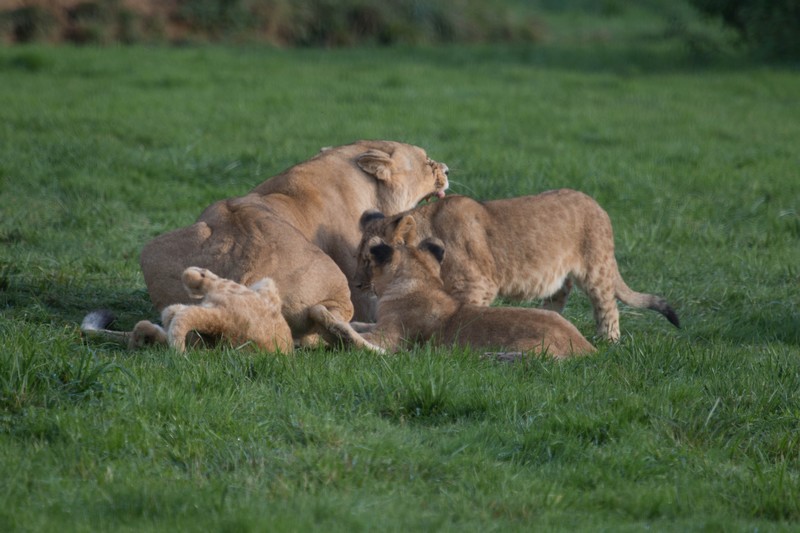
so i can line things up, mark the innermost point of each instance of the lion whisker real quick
(461, 184)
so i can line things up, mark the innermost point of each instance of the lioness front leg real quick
(335, 330)
(363, 327)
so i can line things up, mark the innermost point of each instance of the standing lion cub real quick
(520, 249)
(413, 307)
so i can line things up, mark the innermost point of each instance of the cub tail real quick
(95, 325)
(648, 301)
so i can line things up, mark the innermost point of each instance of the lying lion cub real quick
(521, 249)
(299, 228)
(414, 307)
(226, 310)
(230, 311)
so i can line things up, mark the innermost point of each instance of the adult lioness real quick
(299, 228)
(521, 249)
(413, 307)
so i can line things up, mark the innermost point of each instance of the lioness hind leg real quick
(558, 301)
(334, 330)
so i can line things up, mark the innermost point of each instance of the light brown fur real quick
(229, 311)
(520, 249)
(413, 307)
(299, 228)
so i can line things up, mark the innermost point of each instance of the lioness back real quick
(305, 219)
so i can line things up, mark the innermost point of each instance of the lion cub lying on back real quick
(521, 249)
(227, 311)
(414, 307)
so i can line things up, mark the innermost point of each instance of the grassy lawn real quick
(695, 158)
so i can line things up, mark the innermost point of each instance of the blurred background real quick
(767, 29)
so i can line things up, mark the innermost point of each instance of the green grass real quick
(694, 156)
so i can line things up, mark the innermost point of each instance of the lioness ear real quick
(368, 216)
(435, 247)
(381, 253)
(377, 163)
(406, 230)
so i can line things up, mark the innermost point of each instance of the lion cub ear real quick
(368, 216)
(405, 231)
(377, 163)
(381, 253)
(434, 246)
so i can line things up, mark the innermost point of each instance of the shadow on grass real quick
(44, 300)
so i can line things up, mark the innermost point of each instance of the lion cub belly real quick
(532, 286)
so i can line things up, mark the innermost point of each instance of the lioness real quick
(299, 228)
(413, 307)
(521, 249)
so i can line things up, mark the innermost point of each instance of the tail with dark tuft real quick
(96, 320)
(648, 301)
(95, 325)
(671, 315)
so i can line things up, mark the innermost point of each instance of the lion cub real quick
(227, 310)
(230, 311)
(413, 306)
(521, 249)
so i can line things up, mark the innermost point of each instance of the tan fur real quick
(521, 249)
(230, 311)
(299, 228)
(413, 307)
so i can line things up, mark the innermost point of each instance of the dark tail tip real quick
(97, 319)
(672, 316)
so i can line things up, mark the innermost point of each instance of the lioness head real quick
(406, 173)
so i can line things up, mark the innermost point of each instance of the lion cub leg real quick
(192, 317)
(145, 333)
(558, 300)
(604, 304)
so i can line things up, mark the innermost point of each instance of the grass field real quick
(694, 156)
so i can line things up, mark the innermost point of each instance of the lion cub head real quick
(376, 228)
(402, 268)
